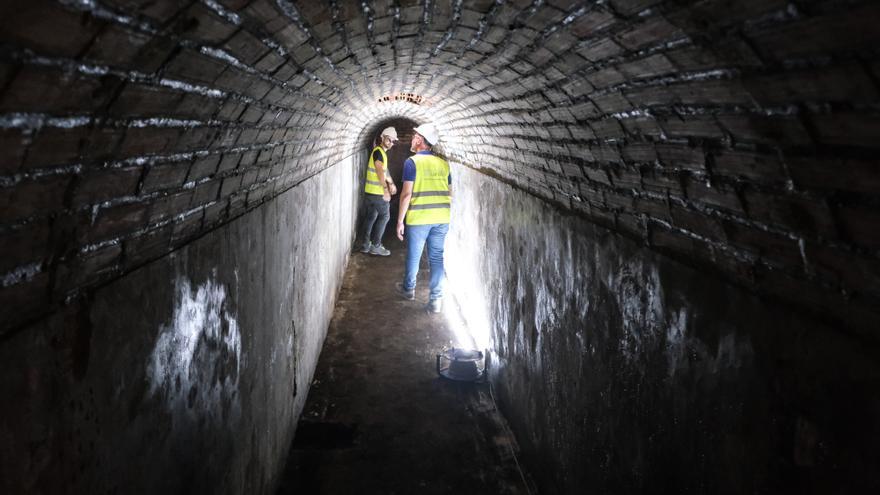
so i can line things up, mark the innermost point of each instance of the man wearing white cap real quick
(378, 189)
(424, 213)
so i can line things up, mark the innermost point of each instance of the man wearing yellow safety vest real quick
(424, 205)
(378, 189)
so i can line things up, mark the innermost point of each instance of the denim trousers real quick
(416, 238)
(376, 218)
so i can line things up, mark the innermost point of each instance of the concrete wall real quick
(187, 375)
(623, 371)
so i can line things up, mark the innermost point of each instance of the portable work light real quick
(464, 365)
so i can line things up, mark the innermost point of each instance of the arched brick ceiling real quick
(740, 135)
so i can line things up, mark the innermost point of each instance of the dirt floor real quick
(378, 418)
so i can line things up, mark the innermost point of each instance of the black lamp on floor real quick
(463, 365)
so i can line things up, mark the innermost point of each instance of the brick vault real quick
(738, 139)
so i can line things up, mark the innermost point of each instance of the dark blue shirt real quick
(409, 168)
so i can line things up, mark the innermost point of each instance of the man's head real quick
(388, 137)
(424, 137)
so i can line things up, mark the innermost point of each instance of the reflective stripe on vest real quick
(430, 199)
(373, 186)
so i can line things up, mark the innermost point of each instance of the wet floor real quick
(378, 419)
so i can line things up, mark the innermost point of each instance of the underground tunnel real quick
(664, 232)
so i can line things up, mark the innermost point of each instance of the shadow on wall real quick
(189, 374)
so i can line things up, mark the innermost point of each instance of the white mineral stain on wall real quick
(639, 294)
(676, 341)
(195, 364)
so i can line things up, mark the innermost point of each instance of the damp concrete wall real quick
(187, 375)
(623, 371)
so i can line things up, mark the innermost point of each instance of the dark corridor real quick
(663, 234)
(379, 419)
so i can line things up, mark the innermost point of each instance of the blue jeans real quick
(416, 237)
(376, 218)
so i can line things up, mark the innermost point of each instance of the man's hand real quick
(392, 188)
(400, 229)
(386, 195)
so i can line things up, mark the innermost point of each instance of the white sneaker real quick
(365, 248)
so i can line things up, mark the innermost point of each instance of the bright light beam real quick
(468, 315)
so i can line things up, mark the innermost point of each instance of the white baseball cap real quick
(390, 132)
(429, 132)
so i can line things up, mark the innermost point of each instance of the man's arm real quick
(449, 182)
(391, 187)
(380, 171)
(405, 196)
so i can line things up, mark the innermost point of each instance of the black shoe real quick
(409, 295)
(434, 305)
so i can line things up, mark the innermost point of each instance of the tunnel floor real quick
(378, 419)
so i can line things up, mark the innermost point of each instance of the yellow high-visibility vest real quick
(373, 186)
(430, 201)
